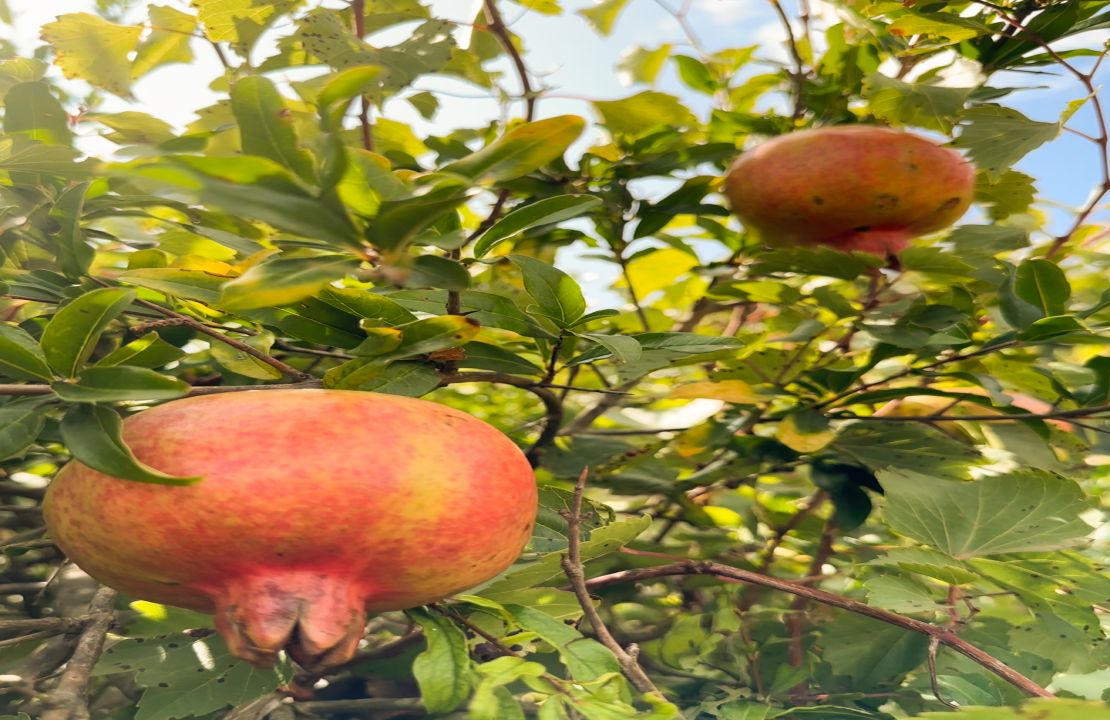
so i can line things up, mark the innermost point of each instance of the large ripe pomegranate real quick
(316, 507)
(853, 187)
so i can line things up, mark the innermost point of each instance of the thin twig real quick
(797, 77)
(501, 32)
(576, 574)
(944, 635)
(69, 698)
(358, 13)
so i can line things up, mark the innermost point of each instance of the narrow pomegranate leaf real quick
(21, 421)
(120, 383)
(149, 351)
(521, 150)
(21, 358)
(266, 125)
(93, 434)
(443, 670)
(71, 335)
(543, 212)
(585, 658)
(284, 281)
(557, 295)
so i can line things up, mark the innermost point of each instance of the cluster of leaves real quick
(924, 434)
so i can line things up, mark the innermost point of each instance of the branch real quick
(69, 698)
(553, 408)
(944, 636)
(501, 32)
(798, 76)
(576, 574)
(358, 13)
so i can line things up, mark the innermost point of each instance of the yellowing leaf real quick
(168, 41)
(733, 391)
(94, 50)
(795, 435)
(658, 270)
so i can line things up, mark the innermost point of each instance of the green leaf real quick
(935, 261)
(93, 434)
(1011, 193)
(914, 104)
(585, 659)
(436, 333)
(635, 115)
(997, 137)
(1023, 511)
(240, 22)
(266, 125)
(185, 677)
(32, 110)
(670, 345)
(343, 86)
(491, 701)
(242, 362)
(624, 349)
(120, 383)
(168, 40)
(284, 281)
(251, 187)
(1042, 284)
(21, 358)
(929, 563)
(179, 282)
(496, 359)
(946, 25)
(868, 652)
(438, 272)
(400, 222)
(543, 212)
(75, 253)
(557, 295)
(71, 335)
(524, 148)
(370, 305)
(900, 594)
(412, 379)
(641, 65)
(815, 261)
(21, 421)
(443, 670)
(94, 50)
(487, 308)
(603, 15)
(881, 446)
(149, 351)
(1036, 709)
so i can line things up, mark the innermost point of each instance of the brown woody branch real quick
(69, 698)
(943, 635)
(576, 574)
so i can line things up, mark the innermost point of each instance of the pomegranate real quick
(853, 187)
(315, 508)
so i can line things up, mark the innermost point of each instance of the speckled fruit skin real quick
(853, 187)
(316, 507)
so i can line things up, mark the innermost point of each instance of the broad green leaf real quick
(1042, 284)
(997, 137)
(19, 70)
(946, 25)
(400, 222)
(635, 115)
(185, 677)
(653, 271)
(368, 304)
(71, 335)
(603, 15)
(669, 345)
(179, 282)
(93, 434)
(333, 99)
(585, 659)
(168, 41)
(882, 446)
(31, 109)
(543, 212)
(443, 670)
(494, 703)
(557, 295)
(266, 125)
(120, 383)
(433, 271)
(242, 362)
(1011, 193)
(92, 49)
(240, 22)
(935, 261)
(284, 281)
(488, 703)
(731, 391)
(1023, 511)
(929, 563)
(602, 541)
(900, 594)
(521, 150)
(868, 652)
(21, 358)
(149, 351)
(21, 421)
(815, 261)
(915, 104)
(134, 128)
(38, 158)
